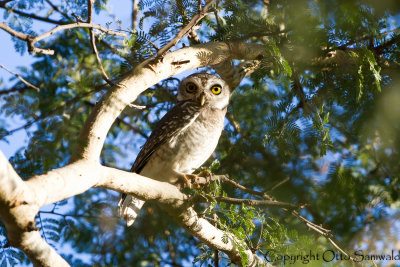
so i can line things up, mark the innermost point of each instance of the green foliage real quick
(322, 109)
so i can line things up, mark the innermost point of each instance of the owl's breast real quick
(189, 149)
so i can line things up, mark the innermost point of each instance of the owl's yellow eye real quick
(191, 88)
(216, 89)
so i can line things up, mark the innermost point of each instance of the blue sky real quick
(13, 60)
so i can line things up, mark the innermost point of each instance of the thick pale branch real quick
(126, 91)
(18, 208)
(76, 178)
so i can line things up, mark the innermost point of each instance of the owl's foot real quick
(195, 181)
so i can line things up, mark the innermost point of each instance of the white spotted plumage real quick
(184, 138)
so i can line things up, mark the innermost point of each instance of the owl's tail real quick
(129, 208)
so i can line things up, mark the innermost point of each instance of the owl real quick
(183, 139)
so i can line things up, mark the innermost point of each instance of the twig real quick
(21, 79)
(43, 228)
(3, 3)
(45, 115)
(15, 89)
(77, 215)
(203, 11)
(31, 40)
(254, 202)
(344, 46)
(196, 19)
(54, 7)
(277, 185)
(120, 120)
(32, 16)
(93, 43)
(218, 24)
(319, 229)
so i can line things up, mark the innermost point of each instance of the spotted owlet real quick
(184, 138)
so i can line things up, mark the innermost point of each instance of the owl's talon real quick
(185, 180)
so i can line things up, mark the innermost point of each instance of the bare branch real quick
(31, 40)
(14, 89)
(196, 19)
(319, 229)
(203, 11)
(93, 43)
(239, 201)
(32, 16)
(134, 14)
(78, 177)
(22, 79)
(50, 113)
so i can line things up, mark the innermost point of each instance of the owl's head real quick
(213, 89)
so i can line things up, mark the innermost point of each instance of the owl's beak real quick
(202, 99)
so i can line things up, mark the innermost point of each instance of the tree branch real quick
(21, 79)
(135, 82)
(203, 11)
(31, 40)
(27, 197)
(93, 44)
(32, 16)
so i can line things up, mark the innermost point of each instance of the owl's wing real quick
(174, 122)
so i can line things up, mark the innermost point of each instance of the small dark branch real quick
(43, 228)
(225, 179)
(3, 3)
(254, 202)
(93, 43)
(292, 210)
(133, 128)
(50, 113)
(395, 40)
(216, 256)
(346, 45)
(32, 16)
(119, 120)
(298, 88)
(134, 14)
(78, 25)
(21, 79)
(15, 89)
(90, 11)
(96, 53)
(54, 7)
(277, 185)
(203, 11)
(234, 123)
(77, 215)
(152, 43)
(218, 24)
(196, 19)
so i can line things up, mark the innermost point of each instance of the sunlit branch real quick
(76, 178)
(21, 79)
(31, 40)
